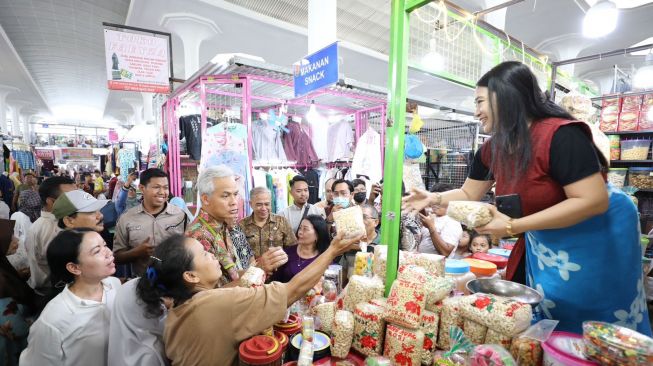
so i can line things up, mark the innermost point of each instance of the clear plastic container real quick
(617, 176)
(641, 178)
(459, 271)
(635, 149)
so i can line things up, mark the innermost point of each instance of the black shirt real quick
(572, 157)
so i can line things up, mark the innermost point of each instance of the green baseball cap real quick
(76, 201)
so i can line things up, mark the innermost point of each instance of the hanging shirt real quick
(71, 330)
(367, 157)
(340, 141)
(320, 129)
(127, 158)
(266, 142)
(226, 144)
(134, 338)
(298, 146)
(190, 128)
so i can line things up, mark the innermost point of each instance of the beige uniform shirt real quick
(136, 225)
(294, 214)
(191, 337)
(39, 235)
(275, 233)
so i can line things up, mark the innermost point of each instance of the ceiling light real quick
(433, 60)
(600, 19)
(643, 78)
(312, 115)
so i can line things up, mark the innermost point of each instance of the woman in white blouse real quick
(73, 329)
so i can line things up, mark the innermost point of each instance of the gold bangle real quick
(509, 227)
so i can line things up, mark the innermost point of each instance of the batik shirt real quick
(213, 236)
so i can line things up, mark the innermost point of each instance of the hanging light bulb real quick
(433, 60)
(643, 78)
(600, 19)
(312, 115)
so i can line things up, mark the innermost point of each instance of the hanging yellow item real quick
(417, 123)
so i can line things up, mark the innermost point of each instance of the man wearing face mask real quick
(360, 191)
(342, 194)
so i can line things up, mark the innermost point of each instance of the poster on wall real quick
(137, 62)
(44, 154)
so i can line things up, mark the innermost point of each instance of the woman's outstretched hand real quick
(416, 201)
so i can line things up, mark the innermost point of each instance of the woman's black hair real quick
(321, 231)
(64, 249)
(514, 99)
(164, 276)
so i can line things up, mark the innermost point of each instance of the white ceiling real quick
(60, 43)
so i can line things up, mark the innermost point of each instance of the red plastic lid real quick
(260, 350)
(500, 261)
(282, 338)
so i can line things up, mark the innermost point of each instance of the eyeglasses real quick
(366, 217)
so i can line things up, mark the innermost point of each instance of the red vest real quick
(537, 189)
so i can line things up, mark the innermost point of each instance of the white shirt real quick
(4, 210)
(319, 129)
(135, 338)
(340, 141)
(449, 229)
(294, 214)
(367, 158)
(71, 330)
(23, 223)
(43, 230)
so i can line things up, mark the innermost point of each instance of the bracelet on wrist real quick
(509, 227)
(438, 198)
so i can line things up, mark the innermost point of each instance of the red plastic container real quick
(260, 350)
(292, 326)
(501, 262)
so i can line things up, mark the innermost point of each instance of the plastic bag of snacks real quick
(469, 213)
(403, 345)
(494, 337)
(368, 329)
(491, 354)
(449, 318)
(504, 315)
(253, 277)
(363, 264)
(475, 332)
(429, 326)
(436, 307)
(325, 313)
(613, 345)
(362, 289)
(610, 109)
(379, 301)
(629, 115)
(433, 263)
(646, 114)
(458, 353)
(329, 290)
(437, 288)
(343, 333)
(406, 303)
(380, 260)
(350, 222)
(526, 351)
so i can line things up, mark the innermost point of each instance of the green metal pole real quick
(396, 127)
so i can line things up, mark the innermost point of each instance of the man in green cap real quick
(77, 209)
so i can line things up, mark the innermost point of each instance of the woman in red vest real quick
(579, 236)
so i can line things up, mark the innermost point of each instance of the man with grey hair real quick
(219, 195)
(266, 232)
(142, 228)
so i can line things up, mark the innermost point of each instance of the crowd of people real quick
(117, 276)
(107, 276)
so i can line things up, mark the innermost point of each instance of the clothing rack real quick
(339, 164)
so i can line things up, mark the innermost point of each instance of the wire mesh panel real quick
(450, 148)
(458, 48)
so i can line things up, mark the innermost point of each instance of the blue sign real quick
(316, 71)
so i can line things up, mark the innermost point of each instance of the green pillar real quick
(396, 126)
